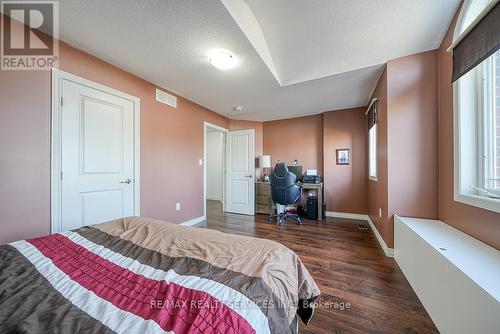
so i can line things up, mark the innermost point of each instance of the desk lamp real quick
(265, 163)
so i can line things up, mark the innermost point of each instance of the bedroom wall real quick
(171, 144)
(25, 154)
(298, 138)
(345, 186)
(313, 140)
(479, 223)
(171, 139)
(412, 106)
(407, 143)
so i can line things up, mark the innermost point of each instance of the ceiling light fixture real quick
(222, 59)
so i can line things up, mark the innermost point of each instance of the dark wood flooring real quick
(349, 267)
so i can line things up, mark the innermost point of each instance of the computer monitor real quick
(297, 170)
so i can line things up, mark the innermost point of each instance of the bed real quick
(139, 275)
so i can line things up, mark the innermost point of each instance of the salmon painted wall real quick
(298, 138)
(377, 191)
(313, 140)
(171, 144)
(259, 139)
(407, 143)
(25, 154)
(412, 106)
(345, 185)
(479, 223)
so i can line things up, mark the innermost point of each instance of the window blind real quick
(479, 43)
(372, 114)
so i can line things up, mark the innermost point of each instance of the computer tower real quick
(312, 207)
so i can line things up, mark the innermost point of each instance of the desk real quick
(263, 200)
(264, 203)
(319, 190)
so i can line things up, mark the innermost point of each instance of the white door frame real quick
(207, 125)
(56, 141)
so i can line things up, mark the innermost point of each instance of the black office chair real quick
(284, 191)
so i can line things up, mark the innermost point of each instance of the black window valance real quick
(372, 113)
(479, 43)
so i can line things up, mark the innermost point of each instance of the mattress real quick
(139, 275)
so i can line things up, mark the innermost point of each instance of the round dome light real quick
(222, 59)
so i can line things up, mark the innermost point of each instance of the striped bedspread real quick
(137, 275)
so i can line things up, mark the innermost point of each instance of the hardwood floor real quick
(349, 267)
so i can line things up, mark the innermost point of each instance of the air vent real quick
(166, 98)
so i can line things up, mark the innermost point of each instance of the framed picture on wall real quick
(343, 156)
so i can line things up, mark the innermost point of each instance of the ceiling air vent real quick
(166, 98)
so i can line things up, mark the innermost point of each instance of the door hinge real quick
(61, 100)
(61, 175)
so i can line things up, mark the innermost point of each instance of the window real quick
(372, 152)
(372, 139)
(477, 126)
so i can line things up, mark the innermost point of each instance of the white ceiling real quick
(309, 41)
(296, 57)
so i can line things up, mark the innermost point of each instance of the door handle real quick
(127, 181)
(249, 176)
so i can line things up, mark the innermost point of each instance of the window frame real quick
(478, 133)
(488, 129)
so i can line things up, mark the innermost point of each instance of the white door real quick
(97, 156)
(240, 171)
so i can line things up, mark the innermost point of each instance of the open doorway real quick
(229, 171)
(215, 164)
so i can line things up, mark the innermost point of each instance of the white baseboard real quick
(389, 252)
(193, 221)
(214, 198)
(346, 215)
